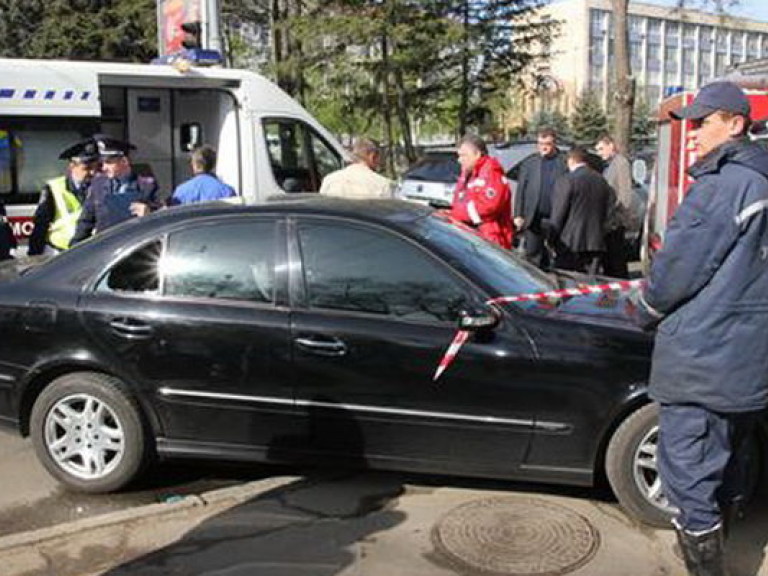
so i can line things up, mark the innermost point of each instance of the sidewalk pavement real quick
(371, 525)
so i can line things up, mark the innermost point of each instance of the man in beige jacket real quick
(359, 180)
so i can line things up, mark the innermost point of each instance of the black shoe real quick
(703, 553)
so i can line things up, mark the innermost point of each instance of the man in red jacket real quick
(482, 198)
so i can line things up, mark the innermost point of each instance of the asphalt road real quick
(30, 498)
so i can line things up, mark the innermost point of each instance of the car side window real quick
(229, 261)
(360, 269)
(137, 272)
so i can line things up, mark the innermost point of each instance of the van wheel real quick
(630, 465)
(88, 433)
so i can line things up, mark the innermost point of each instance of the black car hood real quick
(609, 307)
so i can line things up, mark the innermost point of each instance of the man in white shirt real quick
(359, 179)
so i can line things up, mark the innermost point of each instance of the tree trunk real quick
(402, 113)
(275, 24)
(386, 108)
(464, 94)
(624, 93)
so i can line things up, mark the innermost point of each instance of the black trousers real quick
(584, 262)
(536, 250)
(616, 254)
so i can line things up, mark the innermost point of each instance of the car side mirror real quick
(474, 320)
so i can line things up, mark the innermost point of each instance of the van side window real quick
(29, 153)
(299, 156)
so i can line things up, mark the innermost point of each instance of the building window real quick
(764, 53)
(654, 58)
(597, 23)
(636, 56)
(672, 34)
(705, 38)
(636, 28)
(654, 31)
(705, 66)
(689, 61)
(670, 59)
(652, 93)
(596, 54)
(753, 47)
(689, 37)
(721, 41)
(721, 61)
(737, 47)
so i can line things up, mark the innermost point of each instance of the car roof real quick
(391, 211)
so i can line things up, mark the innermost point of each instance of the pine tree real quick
(643, 124)
(588, 120)
(550, 119)
(124, 30)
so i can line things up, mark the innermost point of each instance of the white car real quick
(432, 179)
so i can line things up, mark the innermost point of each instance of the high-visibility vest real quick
(68, 209)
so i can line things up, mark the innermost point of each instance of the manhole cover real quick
(515, 537)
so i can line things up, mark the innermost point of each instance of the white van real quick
(267, 143)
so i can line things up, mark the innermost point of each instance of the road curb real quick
(233, 494)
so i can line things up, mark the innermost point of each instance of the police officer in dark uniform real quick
(62, 198)
(118, 193)
(708, 295)
(7, 239)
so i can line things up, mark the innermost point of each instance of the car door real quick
(193, 318)
(372, 314)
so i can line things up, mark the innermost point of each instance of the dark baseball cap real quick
(724, 96)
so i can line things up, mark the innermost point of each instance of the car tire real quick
(88, 432)
(630, 464)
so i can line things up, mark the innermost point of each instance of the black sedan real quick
(310, 330)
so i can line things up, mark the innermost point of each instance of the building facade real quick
(669, 48)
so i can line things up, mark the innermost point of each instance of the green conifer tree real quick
(588, 120)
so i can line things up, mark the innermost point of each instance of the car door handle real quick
(131, 329)
(331, 347)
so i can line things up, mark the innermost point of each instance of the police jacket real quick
(45, 213)
(482, 199)
(109, 200)
(708, 287)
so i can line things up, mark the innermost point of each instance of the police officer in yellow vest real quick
(62, 199)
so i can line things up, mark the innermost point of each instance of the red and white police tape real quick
(463, 335)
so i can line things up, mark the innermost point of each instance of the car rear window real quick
(439, 168)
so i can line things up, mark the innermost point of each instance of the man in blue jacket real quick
(708, 296)
(204, 186)
(117, 194)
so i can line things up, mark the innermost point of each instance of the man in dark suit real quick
(533, 195)
(579, 211)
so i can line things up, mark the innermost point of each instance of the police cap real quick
(84, 151)
(112, 147)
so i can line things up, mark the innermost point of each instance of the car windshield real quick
(435, 168)
(506, 273)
